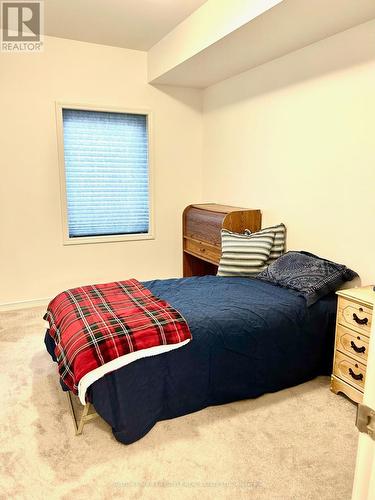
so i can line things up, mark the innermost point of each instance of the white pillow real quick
(278, 247)
(244, 254)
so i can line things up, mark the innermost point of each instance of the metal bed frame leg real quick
(85, 416)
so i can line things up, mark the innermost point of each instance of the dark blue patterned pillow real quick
(312, 276)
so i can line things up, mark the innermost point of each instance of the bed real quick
(250, 337)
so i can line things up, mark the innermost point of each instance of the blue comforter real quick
(249, 338)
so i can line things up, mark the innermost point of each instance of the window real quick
(105, 174)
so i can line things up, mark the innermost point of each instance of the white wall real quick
(295, 138)
(33, 262)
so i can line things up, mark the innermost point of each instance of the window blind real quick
(106, 172)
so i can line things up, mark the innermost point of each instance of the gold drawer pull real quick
(360, 321)
(356, 376)
(355, 348)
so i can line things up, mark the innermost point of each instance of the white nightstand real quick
(353, 327)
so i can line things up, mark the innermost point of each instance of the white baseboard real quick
(11, 306)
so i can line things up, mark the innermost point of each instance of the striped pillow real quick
(278, 247)
(244, 254)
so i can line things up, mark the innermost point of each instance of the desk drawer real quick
(355, 316)
(351, 343)
(349, 370)
(203, 250)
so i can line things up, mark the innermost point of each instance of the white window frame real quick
(79, 240)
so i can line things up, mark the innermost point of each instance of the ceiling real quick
(133, 24)
(276, 31)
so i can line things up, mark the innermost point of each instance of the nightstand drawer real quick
(355, 316)
(349, 370)
(352, 343)
(203, 250)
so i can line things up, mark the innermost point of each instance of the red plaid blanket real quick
(99, 328)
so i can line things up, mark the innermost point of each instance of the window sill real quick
(85, 240)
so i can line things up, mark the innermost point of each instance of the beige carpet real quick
(296, 444)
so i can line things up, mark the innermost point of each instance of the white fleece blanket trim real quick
(117, 363)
